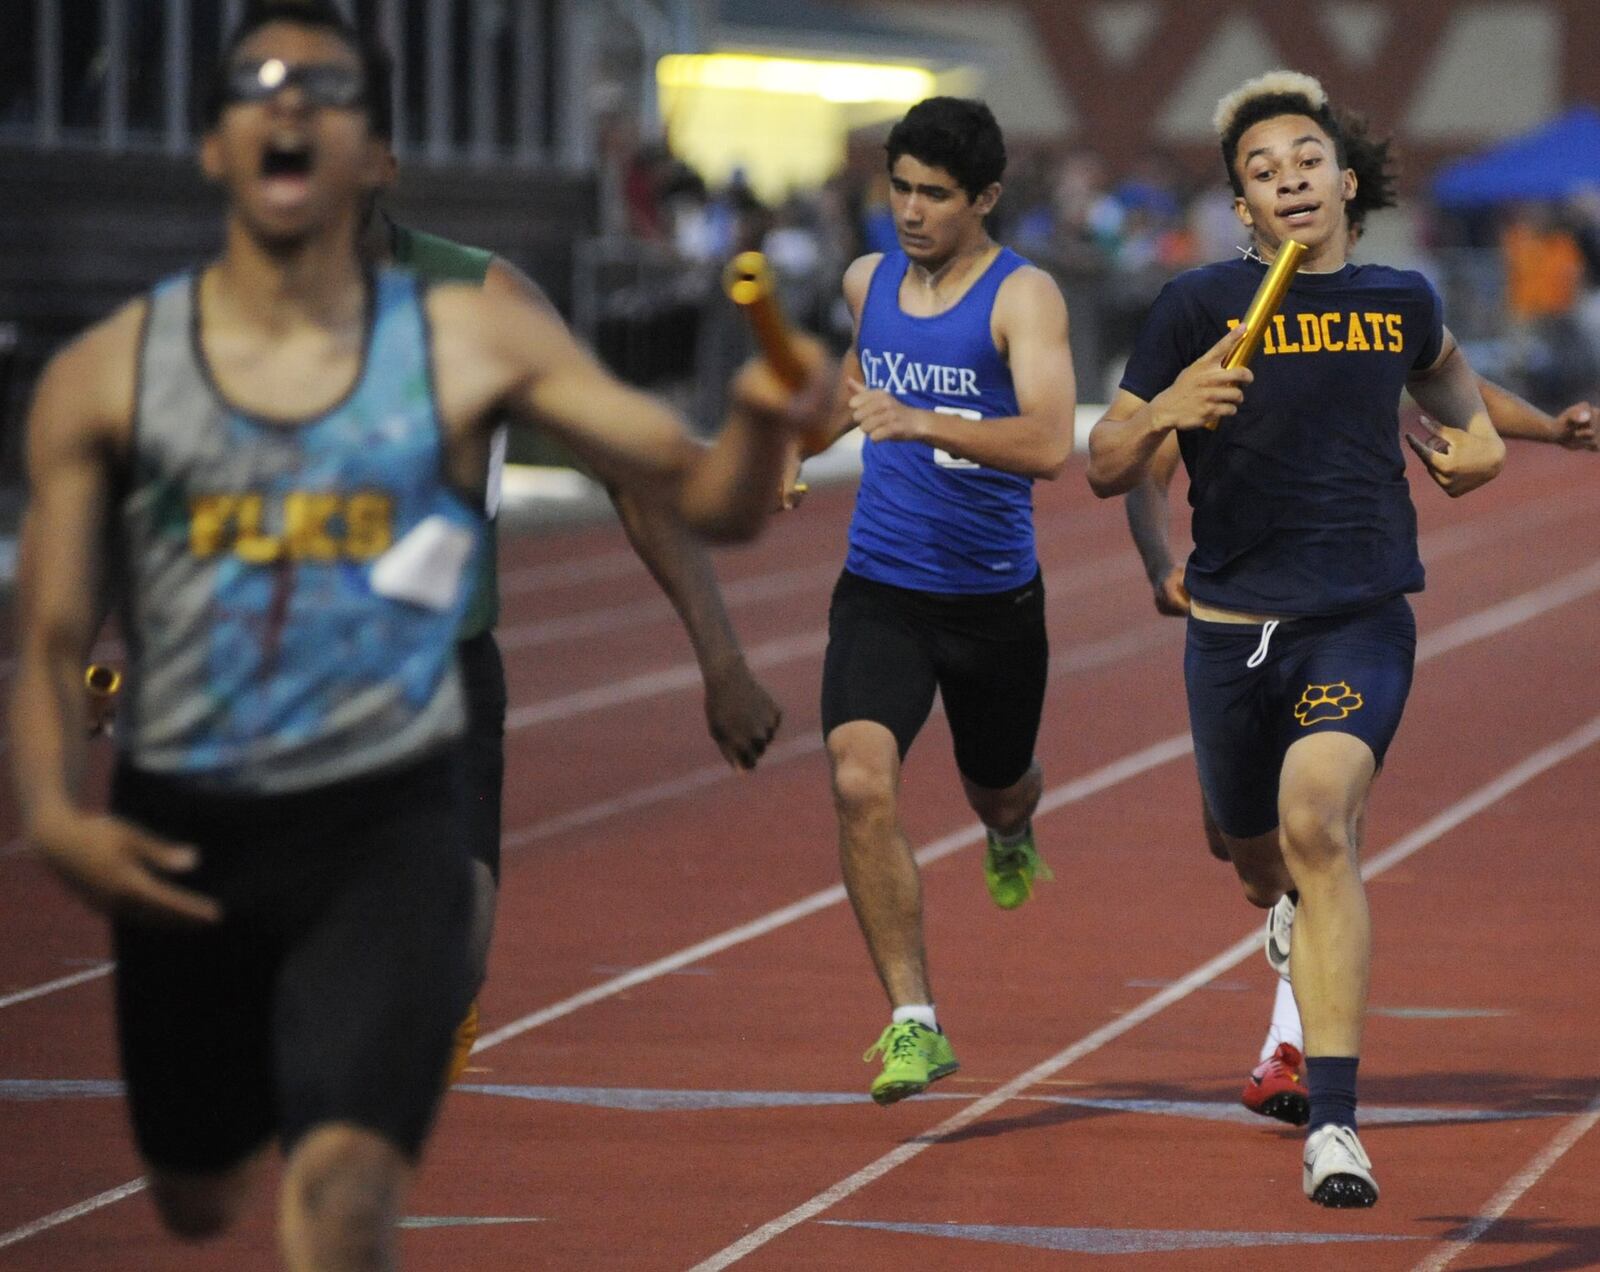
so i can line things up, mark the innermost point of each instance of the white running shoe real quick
(1280, 925)
(1336, 1170)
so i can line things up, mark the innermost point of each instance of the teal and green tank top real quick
(291, 589)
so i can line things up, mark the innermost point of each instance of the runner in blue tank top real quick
(1301, 641)
(961, 380)
(279, 460)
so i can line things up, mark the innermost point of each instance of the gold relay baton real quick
(748, 281)
(102, 681)
(1265, 305)
(103, 684)
(749, 284)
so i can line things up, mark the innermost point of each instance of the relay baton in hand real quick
(103, 684)
(749, 283)
(1264, 306)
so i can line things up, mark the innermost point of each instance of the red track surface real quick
(1491, 914)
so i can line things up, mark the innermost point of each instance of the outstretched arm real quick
(1573, 428)
(1463, 451)
(740, 714)
(631, 438)
(1149, 519)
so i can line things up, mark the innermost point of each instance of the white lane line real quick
(1536, 764)
(1070, 792)
(60, 1217)
(1509, 613)
(50, 987)
(1514, 1188)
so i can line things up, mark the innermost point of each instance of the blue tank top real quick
(925, 520)
(291, 590)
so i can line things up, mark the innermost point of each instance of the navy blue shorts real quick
(1252, 695)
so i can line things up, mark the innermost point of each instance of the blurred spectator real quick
(1544, 265)
(1544, 269)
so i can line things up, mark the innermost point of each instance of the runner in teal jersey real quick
(277, 459)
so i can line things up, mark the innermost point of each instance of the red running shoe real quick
(1277, 1087)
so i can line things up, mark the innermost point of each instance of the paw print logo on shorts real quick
(1321, 703)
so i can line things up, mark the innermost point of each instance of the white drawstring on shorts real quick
(1260, 656)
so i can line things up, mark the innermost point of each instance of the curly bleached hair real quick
(1294, 93)
(1272, 84)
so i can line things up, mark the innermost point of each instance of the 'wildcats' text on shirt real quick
(1372, 332)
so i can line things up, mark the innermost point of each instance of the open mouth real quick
(1299, 213)
(286, 159)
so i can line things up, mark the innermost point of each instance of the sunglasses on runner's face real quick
(330, 84)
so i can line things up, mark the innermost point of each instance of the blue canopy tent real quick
(1553, 161)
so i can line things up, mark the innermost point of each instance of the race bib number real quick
(944, 458)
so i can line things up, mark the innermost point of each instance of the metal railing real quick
(481, 81)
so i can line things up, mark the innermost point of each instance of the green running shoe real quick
(1010, 871)
(913, 1056)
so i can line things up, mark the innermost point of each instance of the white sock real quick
(1285, 1021)
(922, 1013)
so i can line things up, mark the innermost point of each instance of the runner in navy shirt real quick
(1276, 1085)
(960, 378)
(1301, 641)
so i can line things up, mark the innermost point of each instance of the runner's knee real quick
(1314, 834)
(342, 1187)
(864, 771)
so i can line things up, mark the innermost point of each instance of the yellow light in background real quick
(782, 121)
(831, 81)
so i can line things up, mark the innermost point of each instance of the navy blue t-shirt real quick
(1300, 501)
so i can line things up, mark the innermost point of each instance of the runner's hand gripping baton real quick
(749, 284)
(1264, 306)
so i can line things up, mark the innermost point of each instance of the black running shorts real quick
(483, 747)
(331, 988)
(890, 649)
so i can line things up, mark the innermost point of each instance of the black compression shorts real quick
(483, 747)
(331, 988)
(889, 649)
